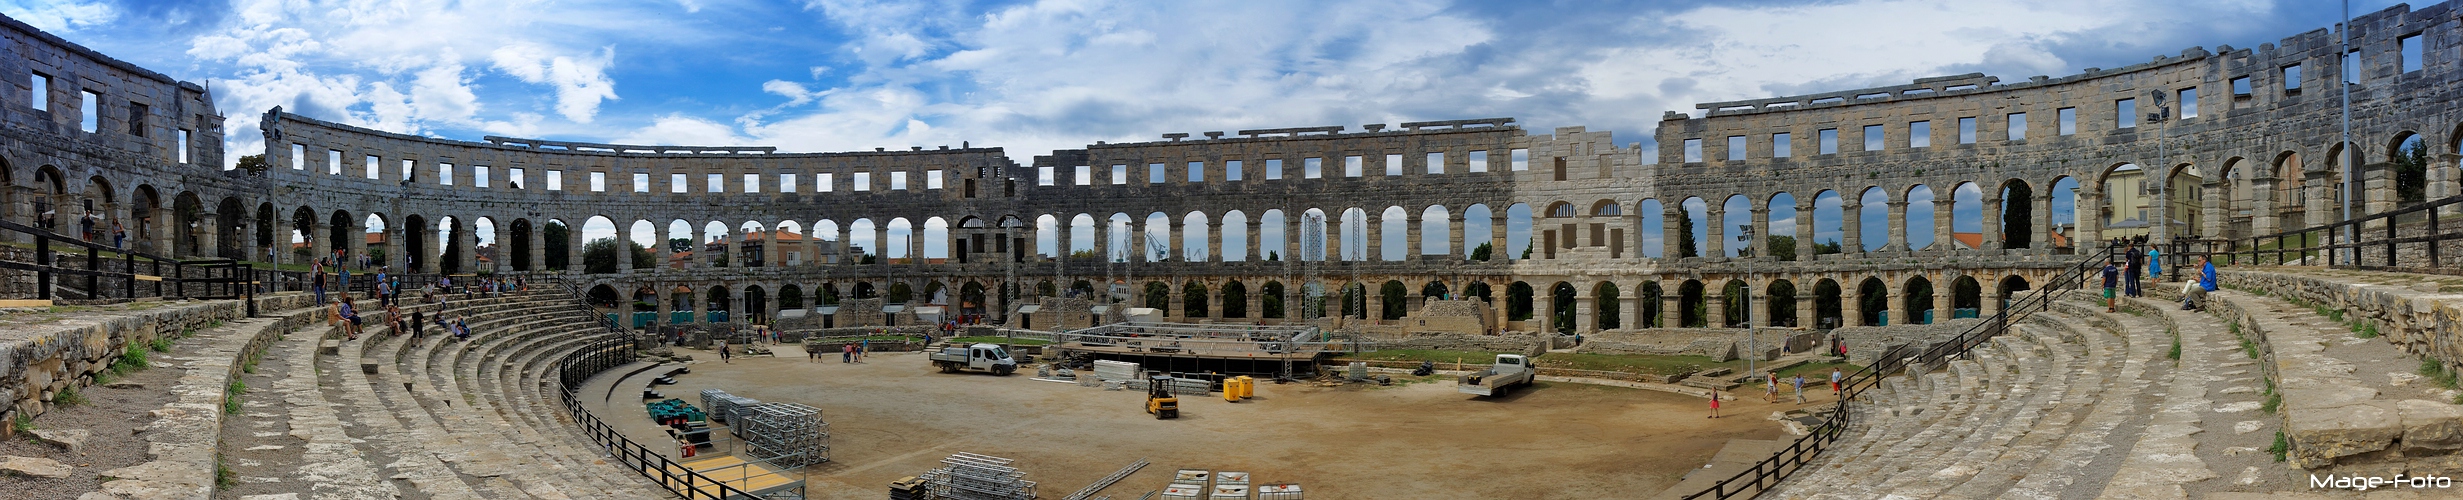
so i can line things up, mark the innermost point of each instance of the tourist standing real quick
(318, 287)
(419, 326)
(846, 353)
(2112, 276)
(1770, 387)
(2155, 264)
(1714, 403)
(119, 236)
(2136, 259)
(1834, 380)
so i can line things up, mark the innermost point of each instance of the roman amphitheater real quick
(1939, 243)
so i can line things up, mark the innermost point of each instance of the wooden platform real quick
(749, 478)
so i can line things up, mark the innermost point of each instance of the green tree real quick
(2412, 172)
(1825, 248)
(1684, 237)
(254, 164)
(1481, 253)
(2017, 216)
(1783, 247)
(599, 256)
(559, 241)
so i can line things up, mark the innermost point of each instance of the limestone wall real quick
(38, 361)
(2422, 320)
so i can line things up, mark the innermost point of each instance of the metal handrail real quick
(1787, 461)
(577, 367)
(220, 278)
(2324, 238)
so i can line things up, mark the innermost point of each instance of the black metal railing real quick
(2369, 242)
(1787, 461)
(576, 368)
(135, 274)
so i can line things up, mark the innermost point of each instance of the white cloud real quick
(58, 16)
(580, 82)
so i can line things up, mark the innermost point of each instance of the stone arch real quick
(1692, 230)
(971, 303)
(1434, 290)
(1273, 236)
(1561, 209)
(1736, 212)
(1604, 308)
(1829, 222)
(1436, 231)
(1917, 299)
(2408, 159)
(1829, 309)
(2184, 201)
(1393, 234)
(1158, 242)
(2008, 289)
(1271, 305)
(2063, 217)
(1194, 237)
(1779, 229)
(1692, 306)
(1234, 237)
(1780, 303)
(2018, 222)
(755, 309)
(1653, 299)
(1650, 223)
(1047, 236)
(1917, 219)
(1193, 300)
(1518, 298)
(1873, 219)
(1966, 297)
(1606, 208)
(1517, 230)
(935, 239)
(901, 244)
(1081, 227)
(1561, 304)
(1735, 303)
(1872, 302)
(718, 304)
(1235, 300)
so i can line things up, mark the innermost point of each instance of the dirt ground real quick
(895, 417)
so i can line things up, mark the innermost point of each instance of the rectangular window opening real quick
(2069, 120)
(2125, 113)
(1920, 134)
(555, 180)
(641, 183)
(1154, 173)
(407, 167)
(1120, 175)
(677, 183)
(1736, 148)
(183, 147)
(2292, 79)
(786, 183)
(90, 117)
(444, 174)
(136, 119)
(478, 176)
(714, 183)
(1693, 151)
(825, 182)
(2018, 126)
(42, 92)
(1312, 168)
(1436, 164)
(372, 168)
(1829, 141)
(2410, 45)
(1231, 170)
(932, 179)
(1274, 169)
(299, 157)
(1872, 138)
(1393, 165)
(1197, 171)
(862, 181)
(513, 178)
(2352, 66)
(1351, 166)
(1967, 130)
(1478, 161)
(598, 182)
(333, 162)
(752, 183)
(1521, 159)
(1780, 146)
(898, 180)
(2240, 87)
(2189, 103)
(1086, 175)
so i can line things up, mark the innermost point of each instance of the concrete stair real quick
(2056, 408)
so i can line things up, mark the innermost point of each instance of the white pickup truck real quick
(986, 357)
(1511, 370)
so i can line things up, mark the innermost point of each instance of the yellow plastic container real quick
(1248, 387)
(1231, 390)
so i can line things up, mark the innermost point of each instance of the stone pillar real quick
(1138, 252)
(468, 234)
(2445, 181)
(659, 250)
(1942, 236)
(1943, 298)
(320, 244)
(1804, 230)
(1254, 241)
(1372, 240)
(658, 293)
(1990, 227)
(1543, 309)
(1898, 227)
(1412, 244)
(770, 254)
(1586, 314)
(1497, 243)
(2091, 221)
(1757, 311)
(1295, 303)
(355, 242)
(2214, 211)
(1670, 220)
(880, 239)
(538, 248)
(1214, 242)
(1851, 227)
(209, 237)
(1805, 317)
(1761, 233)
(2262, 216)
(1715, 242)
(1714, 306)
(2039, 234)
(1214, 301)
(1454, 229)
(573, 251)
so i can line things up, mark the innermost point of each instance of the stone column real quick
(1851, 227)
(624, 253)
(1671, 305)
(1805, 317)
(1543, 309)
(1943, 298)
(355, 241)
(880, 239)
(1804, 230)
(1586, 314)
(1715, 242)
(2444, 181)
(1372, 240)
(1629, 306)
(2262, 216)
(659, 250)
(1757, 311)
(320, 244)
(1714, 306)
(1670, 221)
(1254, 241)
(1214, 242)
(2213, 208)
(1454, 229)
(1898, 227)
(1295, 303)
(2091, 221)
(1760, 240)
(538, 247)
(1990, 228)
(209, 238)
(1214, 301)
(573, 251)
(1138, 252)
(658, 294)
(770, 254)
(2039, 234)
(1942, 235)
(466, 235)
(1497, 242)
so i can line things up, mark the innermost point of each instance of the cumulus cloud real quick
(60, 15)
(580, 82)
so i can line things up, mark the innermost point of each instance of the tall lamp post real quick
(1753, 332)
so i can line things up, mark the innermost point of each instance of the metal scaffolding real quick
(724, 407)
(968, 476)
(786, 434)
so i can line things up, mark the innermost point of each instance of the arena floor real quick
(894, 416)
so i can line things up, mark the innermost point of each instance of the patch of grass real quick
(132, 360)
(68, 396)
(1633, 363)
(2438, 373)
(162, 345)
(104, 377)
(2282, 447)
(230, 397)
(23, 424)
(1817, 373)
(2367, 330)
(223, 478)
(2176, 345)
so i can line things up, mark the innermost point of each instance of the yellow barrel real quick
(1231, 390)
(1248, 387)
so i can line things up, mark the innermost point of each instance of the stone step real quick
(323, 461)
(393, 432)
(2121, 372)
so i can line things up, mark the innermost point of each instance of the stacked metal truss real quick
(724, 407)
(784, 434)
(968, 476)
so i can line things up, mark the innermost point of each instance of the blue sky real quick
(1032, 76)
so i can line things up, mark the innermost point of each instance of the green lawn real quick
(1820, 371)
(1635, 363)
(1467, 358)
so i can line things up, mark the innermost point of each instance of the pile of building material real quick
(1230, 485)
(968, 476)
(1279, 492)
(1200, 484)
(1118, 371)
(785, 434)
(724, 407)
(1179, 385)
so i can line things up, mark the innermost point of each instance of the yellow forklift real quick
(1159, 398)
